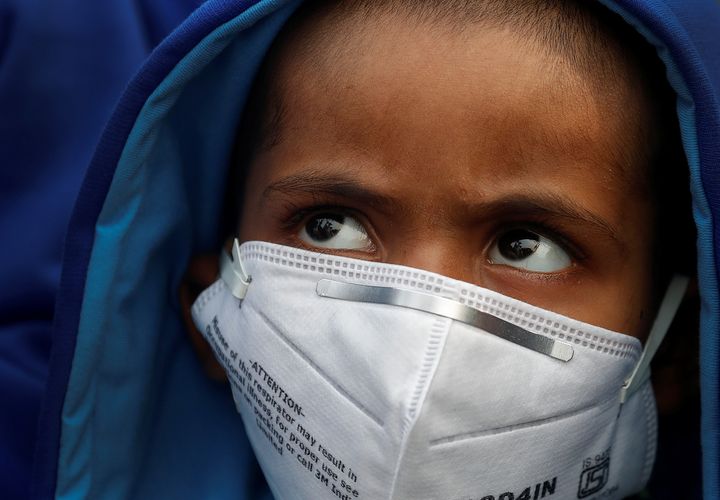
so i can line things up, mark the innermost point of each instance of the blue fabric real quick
(129, 471)
(63, 65)
(702, 21)
(687, 35)
(127, 412)
(695, 81)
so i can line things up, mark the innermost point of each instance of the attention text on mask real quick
(282, 420)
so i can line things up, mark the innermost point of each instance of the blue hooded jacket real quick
(63, 66)
(128, 413)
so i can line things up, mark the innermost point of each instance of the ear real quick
(202, 271)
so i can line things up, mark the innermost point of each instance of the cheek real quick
(622, 299)
(260, 225)
(627, 307)
(620, 293)
(251, 226)
(254, 221)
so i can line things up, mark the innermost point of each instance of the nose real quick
(448, 257)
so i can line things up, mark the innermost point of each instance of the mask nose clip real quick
(233, 273)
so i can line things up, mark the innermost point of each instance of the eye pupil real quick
(518, 244)
(324, 227)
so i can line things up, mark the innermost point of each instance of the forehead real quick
(381, 85)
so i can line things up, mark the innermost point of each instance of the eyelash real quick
(291, 223)
(298, 214)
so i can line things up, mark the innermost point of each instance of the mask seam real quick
(332, 383)
(433, 349)
(207, 296)
(433, 353)
(421, 281)
(603, 406)
(204, 298)
(651, 423)
(221, 357)
(339, 268)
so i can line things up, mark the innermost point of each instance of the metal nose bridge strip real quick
(446, 308)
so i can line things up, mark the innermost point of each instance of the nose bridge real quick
(447, 256)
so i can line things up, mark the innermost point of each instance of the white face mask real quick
(360, 380)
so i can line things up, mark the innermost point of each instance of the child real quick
(394, 137)
(457, 213)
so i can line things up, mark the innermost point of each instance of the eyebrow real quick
(317, 183)
(541, 204)
(550, 205)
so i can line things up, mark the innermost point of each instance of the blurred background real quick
(63, 67)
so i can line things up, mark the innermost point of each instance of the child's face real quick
(475, 156)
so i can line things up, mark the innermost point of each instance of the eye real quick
(335, 230)
(528, 250)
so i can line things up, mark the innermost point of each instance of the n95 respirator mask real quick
(362, 380)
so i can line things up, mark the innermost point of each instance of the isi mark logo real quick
(595, 474)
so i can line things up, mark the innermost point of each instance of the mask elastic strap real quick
(233, 272)
(666, 313)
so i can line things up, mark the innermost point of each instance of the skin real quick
(441, 145)
(438, 145)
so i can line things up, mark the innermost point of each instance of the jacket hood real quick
(125, 414)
